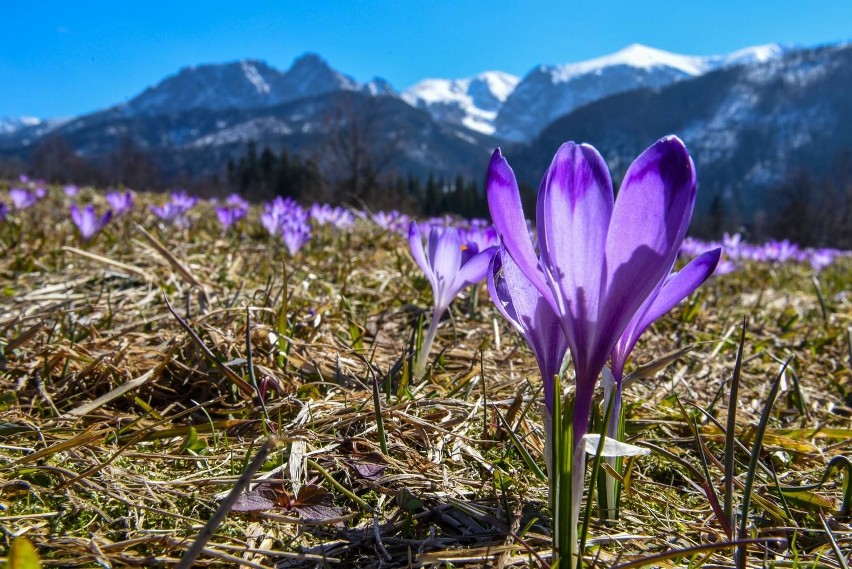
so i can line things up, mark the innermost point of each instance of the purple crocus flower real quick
(483, 235)
(40, 192)
(120, 202)
(820, 258)
(22, 199)
(600, 258)
(184, 201)
(327, 215)
(237, 201)
(4, 212)
(295, 236)
(169, 212)
(285, 218)
(278, 212)
(391, 221)
(449, 266)
(175, 210)
(87, 221)
(228, 216)
(71, 190)
(725, 267)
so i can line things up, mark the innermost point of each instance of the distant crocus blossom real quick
(71, 190)
(228, 216)
(22, 199)
(4, 212)
(337, 216)
(725, 267)
(820, 258)
(120, 202)
(88, 221)
(40, 192)
(237, 201)
(169, 212)
(175, 210)
(600, 260)
(285, 218)
(280, 211)
(295, 236)
(184, 201)
(483, 235)
(391, 221)
(450, 266)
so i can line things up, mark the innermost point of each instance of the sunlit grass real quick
(129, 475)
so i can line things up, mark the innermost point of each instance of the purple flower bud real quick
(87, 221)
(22, 199)
(120, 202)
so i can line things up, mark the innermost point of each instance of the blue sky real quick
(68, 58)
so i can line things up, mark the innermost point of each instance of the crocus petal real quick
(531, 315)
(507, 212)
(574, 207)
(680, 285)
(435, 233)
(446, 261)
(649, 221)
(474, 269)
(75, 215)
(677, 286)
(415, 243)
(105, 218)
(499, 292)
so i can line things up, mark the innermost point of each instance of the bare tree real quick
(129, 165)
(361, 145)
(55, 160)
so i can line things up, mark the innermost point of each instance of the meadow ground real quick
(120, 434)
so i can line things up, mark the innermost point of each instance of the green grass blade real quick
(377, 406)
(755, 457)
(522, 450)
(730, 436)
(596, 467)
(710, 489)
(832, 541)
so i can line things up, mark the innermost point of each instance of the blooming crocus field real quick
(150, 360)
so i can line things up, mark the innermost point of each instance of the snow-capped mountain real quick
(550, 91)
(748, 117)
(245, 84)
(28, 128)
(748, 128)
(9, 125)
(472, 102)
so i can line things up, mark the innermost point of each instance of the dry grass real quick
(119, 436)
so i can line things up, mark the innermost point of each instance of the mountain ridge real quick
(749, 126)
(491, 102)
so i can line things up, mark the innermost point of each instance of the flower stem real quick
(567, 480)
(426, 346)
(614, 432)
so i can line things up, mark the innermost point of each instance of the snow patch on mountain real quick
(8, 125)
(254, 77)
(253, 129)
(472, 102)
(636, 56)
(550, 91)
